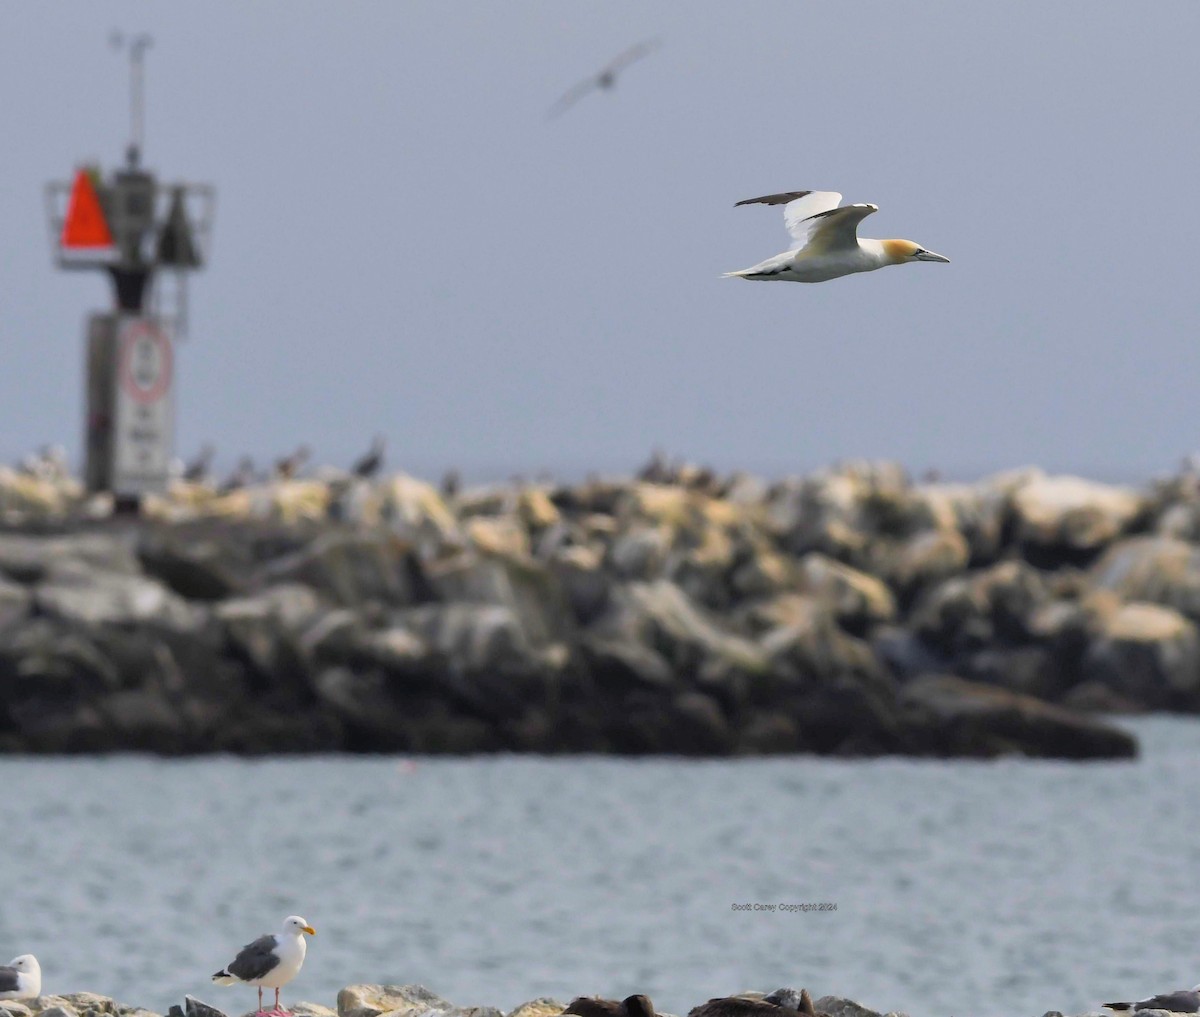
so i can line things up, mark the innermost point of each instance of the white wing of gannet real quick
(814, 219)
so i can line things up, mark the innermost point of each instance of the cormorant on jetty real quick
(197, 470)
(287, 467)
(243, 476)
(368, 465)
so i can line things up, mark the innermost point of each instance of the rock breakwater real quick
(850, 611)
(352, 1001)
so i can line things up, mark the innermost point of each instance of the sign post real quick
(131, 404)
(143, 422)
(132, 227)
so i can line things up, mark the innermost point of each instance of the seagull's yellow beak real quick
(309, 929)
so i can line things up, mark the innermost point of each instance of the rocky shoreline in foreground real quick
(851, 612)
(352, 1001)
(375, 1001)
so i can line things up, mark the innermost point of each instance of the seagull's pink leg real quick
(260, 1011)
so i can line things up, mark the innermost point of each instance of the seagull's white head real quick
(27, 964)
(901, 251)
(293, 925)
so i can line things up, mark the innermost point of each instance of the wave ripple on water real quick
(961, 888)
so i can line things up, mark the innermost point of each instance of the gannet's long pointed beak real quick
(930, 256)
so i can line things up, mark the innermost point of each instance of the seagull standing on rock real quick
(21, 978)
(272, 961)
(827, 244)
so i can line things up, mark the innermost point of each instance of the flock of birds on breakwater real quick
(199, 469)
(50, 462)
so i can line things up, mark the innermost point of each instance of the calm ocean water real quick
(966, 889)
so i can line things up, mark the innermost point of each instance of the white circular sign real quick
(145, 362)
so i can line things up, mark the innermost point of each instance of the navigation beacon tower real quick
(132, 227)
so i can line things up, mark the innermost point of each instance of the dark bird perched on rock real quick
(287, 467)
(197, 469)
(593, 1006)
(1183, 1001)
(243, 476)
(606, 78)
(658, 469)
(780, 1003)
(368, 465)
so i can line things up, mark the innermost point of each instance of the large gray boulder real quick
(15, 602)
(951, 716)
(265, 629)
(659, 614)
(837, 1006)
(351, 568)
(1147, 653)
(1070, 517)
(402, 1001)
(981, 608)
(203, 562)
(27, 558)
(84, 595)
(1162, 570)
(529, 591)
(858, 600)
(543, 1006)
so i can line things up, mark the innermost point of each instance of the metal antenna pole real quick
(138, 44)
(137, 87)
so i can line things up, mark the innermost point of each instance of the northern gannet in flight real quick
(606, 78)
(827, 244)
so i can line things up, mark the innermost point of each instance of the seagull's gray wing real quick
(9, 979)
(256, 959)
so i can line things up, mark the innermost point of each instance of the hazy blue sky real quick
(403, 243)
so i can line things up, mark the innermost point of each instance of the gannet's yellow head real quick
(901, 251)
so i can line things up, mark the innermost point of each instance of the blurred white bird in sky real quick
(605, 78)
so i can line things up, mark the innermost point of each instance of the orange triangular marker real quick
(85, 225)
